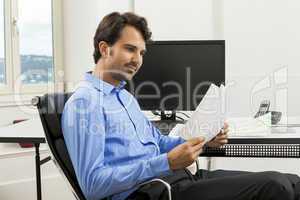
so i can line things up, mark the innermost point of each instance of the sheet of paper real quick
(249, 126)
(208, 118)
(176, 130)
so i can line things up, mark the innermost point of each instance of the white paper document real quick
(249, 126)
(208, 118)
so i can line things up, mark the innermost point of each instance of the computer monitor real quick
(176, 74)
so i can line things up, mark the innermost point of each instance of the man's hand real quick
(185, 154)
(221, 138)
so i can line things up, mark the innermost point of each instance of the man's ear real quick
(103, 48)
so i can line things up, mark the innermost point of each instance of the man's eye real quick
(130, 49)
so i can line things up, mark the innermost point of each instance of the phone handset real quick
(263, 108)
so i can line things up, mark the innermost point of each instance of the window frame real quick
(12, 55)
(7, 86)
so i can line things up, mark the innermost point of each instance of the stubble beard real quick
(121, 75)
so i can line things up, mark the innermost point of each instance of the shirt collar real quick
(103, 86)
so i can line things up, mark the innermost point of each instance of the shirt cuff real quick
(160, 165)
(181, 140)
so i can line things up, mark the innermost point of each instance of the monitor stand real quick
(169, 117)
(167, 121)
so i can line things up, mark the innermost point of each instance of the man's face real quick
(125, 57)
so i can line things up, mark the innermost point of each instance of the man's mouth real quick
(132, 67)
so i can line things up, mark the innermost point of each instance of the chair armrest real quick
(167, 185)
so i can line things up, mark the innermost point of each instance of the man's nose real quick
(136, 58)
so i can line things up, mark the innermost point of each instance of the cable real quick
(180, 118)
(155, 112)
(197, 166)
(183, 114)
(189, 174)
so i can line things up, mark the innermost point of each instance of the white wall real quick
(81, 19)
(261, 37)
(178, 20)
(80, 22)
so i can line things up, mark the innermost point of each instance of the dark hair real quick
(111, 26)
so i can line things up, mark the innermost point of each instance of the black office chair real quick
(50, 108)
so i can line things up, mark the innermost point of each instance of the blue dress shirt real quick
(112, 145)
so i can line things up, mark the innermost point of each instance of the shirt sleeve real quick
(166, 143)
(84, 132)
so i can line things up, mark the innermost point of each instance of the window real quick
(2, 44)
(35, 41)
(30, 45)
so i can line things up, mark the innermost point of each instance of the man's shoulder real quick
(85, 95)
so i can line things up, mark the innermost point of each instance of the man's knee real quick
(280, 182)
(279, 178)
(297, 191)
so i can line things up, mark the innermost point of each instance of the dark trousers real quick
(224, 185)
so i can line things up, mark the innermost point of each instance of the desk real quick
(29, 131)
(273, 145)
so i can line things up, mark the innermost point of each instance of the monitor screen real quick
(176, 74)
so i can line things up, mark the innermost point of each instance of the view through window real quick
(35, 41)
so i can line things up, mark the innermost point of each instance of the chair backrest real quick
(50, 108)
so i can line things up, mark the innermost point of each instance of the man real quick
(114, 147)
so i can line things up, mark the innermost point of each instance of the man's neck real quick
(99, 71)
